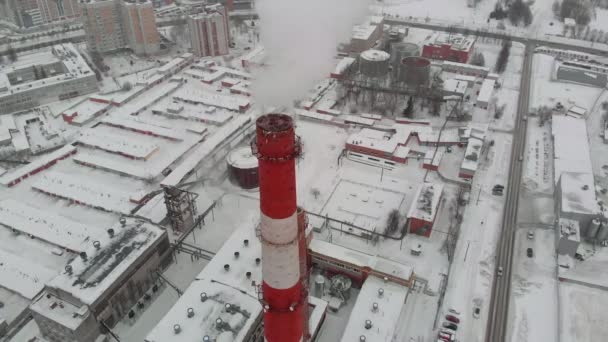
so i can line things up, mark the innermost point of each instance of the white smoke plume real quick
(300, 38)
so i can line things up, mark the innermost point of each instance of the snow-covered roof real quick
(46, 225)
(36, 164)
(426, 202)
(23, 276)
(571, 145)
(7, 124)
(90, 278)
(232, 72)
(455, 86)
(374, 140)
(433, 158)
(375, 55)
(85, 110)
(472, 154)
(486, 90)
(195, 112)
(384, 319)
(151, 96)
(314, 115)
(171, 65)
(242, 158)
(121, 144)
(342, 65)
(364, 31)
(456, 41)
(380, 266)
(221, 287)
(204, 149)
(463, 66)
(569, 229)
(230, 102)
(60, 311)
(358, 120)
(84, 190)
(577, 111)
(140, 125)
(578, 193)
(155, 209)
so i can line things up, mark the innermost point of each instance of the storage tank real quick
(593, 228)
(319, 287)
(415, 71)
(402, 50)
(374, 63)
(602, 234)
(243, 167)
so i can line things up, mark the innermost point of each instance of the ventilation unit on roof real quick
(368, 324)
(236, 255)
(246, 242)
(97, 245)
(375, 307)
(177, 329)
(227, 267)
(203, 297)
(190, 312)
(380, 292)
(362, 338)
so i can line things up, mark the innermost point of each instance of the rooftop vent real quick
(111, 232)
(257, 261)
(68, 269)
(248, 275)
(206, 338)
(123, 222)
(177, 329)
(380, 292)
(362, 338)
(385, 279)
(246, 242)
(229, 308)
(203, 296)
(219, 324)
(97, 245)
(368, 324)
(236, 255)
(227, 267)
(83, 255)
(375, 307)
(190, 312)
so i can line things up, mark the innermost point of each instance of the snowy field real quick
(583, 313)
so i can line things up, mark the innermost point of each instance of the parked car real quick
(450, 325)
(452, 319)
(530, 235)
(499, 272)
(530, 252)
(452, 311)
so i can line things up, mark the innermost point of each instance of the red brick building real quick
(423, 211)
(449, 47)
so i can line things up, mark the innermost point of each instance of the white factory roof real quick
(375, 140)
(571, 145)
(456, 65)
(486, 90)
(455, 86)
(233, 103)
(314, 115)
(232, 72)
(22, 275)
(195, 112)
(58, 310)
(358, 120)
(46, 225)
(578, 193)
(116, 143)
(36, 164)
(142, 126)
(375, 262)
(155, 209)
(433, 158)
(242, 158)
(375, 55)
(457, 41)
(204, 149)
(85, 110)
(89, 279)
(365, 30)
(221, 287)
(171, 65)
(472, 154)
(384, 320)
(426, 202)
(73, 63)
(151, 96)
(84, 190)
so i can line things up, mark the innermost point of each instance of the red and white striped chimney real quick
(277, 148)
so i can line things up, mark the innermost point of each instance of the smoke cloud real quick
(300, 38)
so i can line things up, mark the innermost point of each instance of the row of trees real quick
(518, 12)
(579, 10)
(503, 56)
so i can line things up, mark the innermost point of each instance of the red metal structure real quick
(283, 294)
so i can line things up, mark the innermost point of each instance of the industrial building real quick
(210, 32)
(449, 47)
(366, 35)
(103, 283)
(568, 237)
(424, 208)
(575, 199)
(112, 25)
(485, 93)
(582, 72)
(55, 74)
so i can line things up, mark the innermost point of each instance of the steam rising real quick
(300, 38)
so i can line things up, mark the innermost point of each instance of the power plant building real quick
(112, 25)
(103, 283)
(449, 47)
(209, 32)
(365, 36)
(55, 74)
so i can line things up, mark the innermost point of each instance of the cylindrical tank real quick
(602, 234)
(243, 167)
(593, 228)
(415, 71)
(399, 51)
(374, 63)
(319, 287)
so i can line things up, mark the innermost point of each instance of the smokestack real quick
(277, 148)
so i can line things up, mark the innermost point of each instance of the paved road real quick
(501, 288)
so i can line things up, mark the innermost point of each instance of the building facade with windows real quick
(209, 32)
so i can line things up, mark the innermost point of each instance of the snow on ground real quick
(538, 171)
(583, 313)
(534, 288)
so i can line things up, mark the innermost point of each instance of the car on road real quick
(530, 235)
(476, 312)
(450, 325)
(452, 311)
(521, 158)
(530, 252)
(499, 272)
(452, 319)
(446, 337)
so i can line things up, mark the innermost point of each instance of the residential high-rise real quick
(113, 24)
(209, 32)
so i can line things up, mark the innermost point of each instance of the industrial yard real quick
(403, 177)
